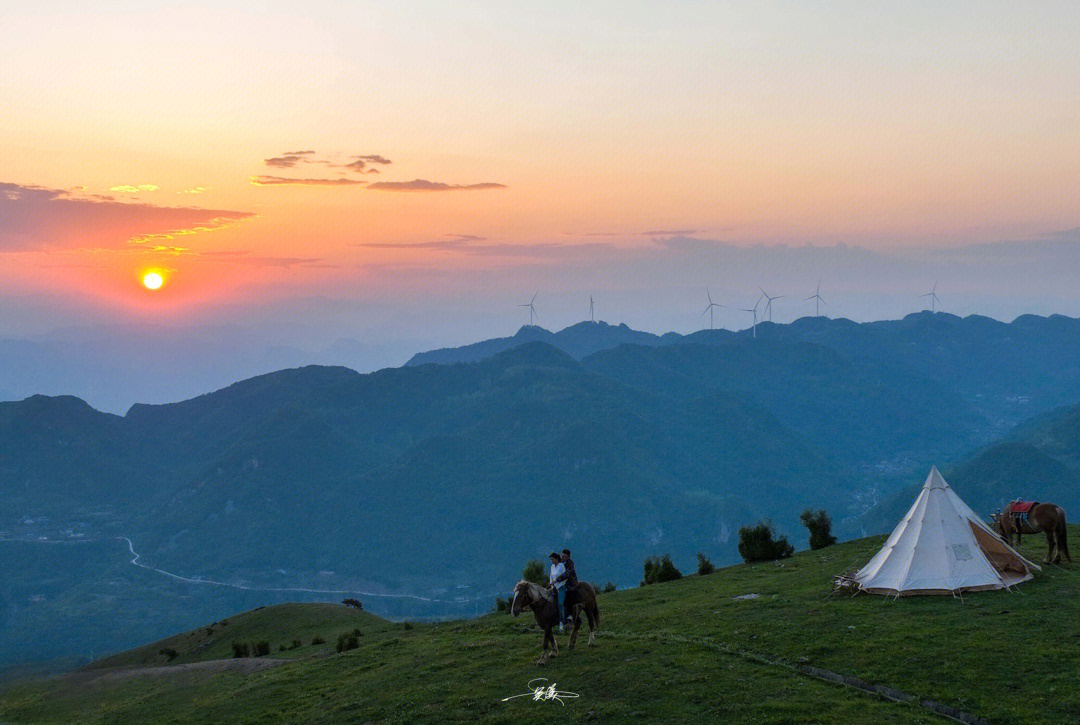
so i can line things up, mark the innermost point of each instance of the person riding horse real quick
(559, 587)
(569, 575)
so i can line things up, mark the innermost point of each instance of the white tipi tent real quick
(942, 547)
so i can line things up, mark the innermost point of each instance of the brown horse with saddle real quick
(1032, 517)
(546, 611)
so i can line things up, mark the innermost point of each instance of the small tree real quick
(660, 569)
(262, 648)
(169, 652)
(757, 543)
(609, 587)
(820, 526)
(534, 572)
(704, 566)
(502, 605)
(240, 649)
(354, 603)
(317, 639)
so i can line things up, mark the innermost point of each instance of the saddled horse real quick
(1048, 518)
(546, 611)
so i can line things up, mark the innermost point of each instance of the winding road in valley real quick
(212, 582)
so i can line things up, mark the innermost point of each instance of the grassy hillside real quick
(679, 652)
(281, 625)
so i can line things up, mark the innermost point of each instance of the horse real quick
(545, 610)
(1045, 517)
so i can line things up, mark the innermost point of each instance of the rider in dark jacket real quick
(570, 577)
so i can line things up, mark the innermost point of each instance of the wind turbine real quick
(592, 317)
(532, 310)
(710, 307)
(934, 299)
(768, 305)
(818, 300)
(753, 310)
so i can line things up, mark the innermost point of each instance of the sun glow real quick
(152, 280)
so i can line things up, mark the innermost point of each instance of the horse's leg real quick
(577, 626)
(1063, 537)
(554, 644)
(593, 624)
(544, 653)
(1049, 546)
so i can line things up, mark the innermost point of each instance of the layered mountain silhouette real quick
(440, 478)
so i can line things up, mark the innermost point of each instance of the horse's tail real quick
(1063, 535)
(594, 608)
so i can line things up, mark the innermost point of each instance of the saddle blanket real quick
(1020, 516)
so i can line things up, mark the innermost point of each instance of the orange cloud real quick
(34, 217)
(132, 189)
(425, 185)
(283, 181)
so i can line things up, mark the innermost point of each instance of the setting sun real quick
(152, 280)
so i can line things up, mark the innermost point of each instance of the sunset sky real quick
(424, 166)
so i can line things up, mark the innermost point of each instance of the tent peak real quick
(935, 479)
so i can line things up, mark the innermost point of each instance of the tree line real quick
(758, 542)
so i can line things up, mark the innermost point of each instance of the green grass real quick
(279, 625)
(684, 651)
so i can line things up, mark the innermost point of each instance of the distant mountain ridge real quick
(579, 340)
(328, 479)
(978, 354)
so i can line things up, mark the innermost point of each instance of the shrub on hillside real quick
(241, 649)
(609, 587)
(169, 652)
(296, 644)
(660, 569)
(318, 640)
(347, 641)
(758, 543)
(820, 526)
(354, 603)
(502, 605)
(704, 566)
(534, 572)
(261, 648)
